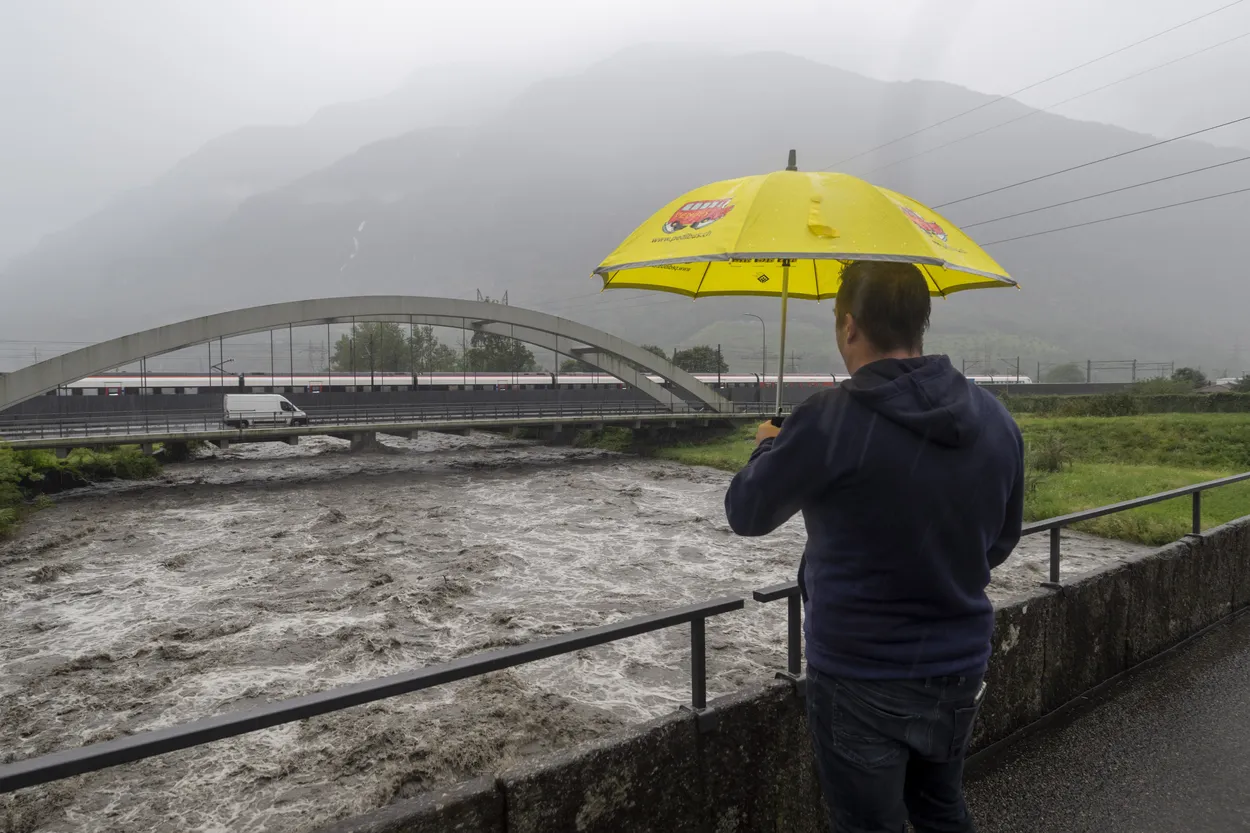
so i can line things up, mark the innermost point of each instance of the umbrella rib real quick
(816, 279)
(702, 279)
(929, 275)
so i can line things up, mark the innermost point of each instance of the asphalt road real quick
(1165, 750)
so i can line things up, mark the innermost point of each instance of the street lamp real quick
(763, 351)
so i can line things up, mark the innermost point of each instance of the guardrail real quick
(69, 762)
(790, 592)
(1055, 525)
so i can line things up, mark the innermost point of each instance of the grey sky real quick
(102, 96)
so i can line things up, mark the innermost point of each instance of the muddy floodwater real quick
(269, 571)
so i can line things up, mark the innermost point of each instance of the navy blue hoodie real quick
(911, 484)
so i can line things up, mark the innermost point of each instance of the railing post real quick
(794, 635)
(1197, 513)
(698, 664)
(1054, 558)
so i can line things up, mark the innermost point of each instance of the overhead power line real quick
(1093, 162)
(1035, 84)
(1119, 216)
(1051, 107)
(1106, 193)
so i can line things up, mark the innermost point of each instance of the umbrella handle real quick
(777, 420)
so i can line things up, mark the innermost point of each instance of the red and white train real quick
(117, 384)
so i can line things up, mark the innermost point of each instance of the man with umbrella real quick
(911, 484)
(909, 478)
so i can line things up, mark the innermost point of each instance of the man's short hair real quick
(889, 302)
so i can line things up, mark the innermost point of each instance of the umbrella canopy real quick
(730, 238)
(790, 234)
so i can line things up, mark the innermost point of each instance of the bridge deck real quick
(1166, 749)
(161, 430)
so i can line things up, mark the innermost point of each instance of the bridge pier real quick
(222, 444)
(291, 440)
(556, 435)
(62, 452)
(146, 448)
(364, 441)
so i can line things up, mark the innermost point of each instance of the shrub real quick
(1048, 453)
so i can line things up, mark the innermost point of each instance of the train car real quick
(162, 384)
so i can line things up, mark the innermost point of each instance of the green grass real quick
(1107, 460)
(1089, 485)
(728, 453)
(1215, 442)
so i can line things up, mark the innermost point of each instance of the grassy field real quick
(1103, 460)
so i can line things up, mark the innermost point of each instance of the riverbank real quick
(1083, 462)
(28, 477)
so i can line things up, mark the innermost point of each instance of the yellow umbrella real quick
(790, 234)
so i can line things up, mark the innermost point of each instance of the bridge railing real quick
(69, 762)
(122, 424)
(1054, 526)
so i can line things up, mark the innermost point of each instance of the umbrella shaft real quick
(781, 353)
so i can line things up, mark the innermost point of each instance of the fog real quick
(102, 97)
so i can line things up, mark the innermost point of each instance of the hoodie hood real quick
(925, 395)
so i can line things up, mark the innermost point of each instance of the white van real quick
(247, 410)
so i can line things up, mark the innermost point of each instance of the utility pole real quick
(1089, 371)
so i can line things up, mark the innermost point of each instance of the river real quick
(269, 571)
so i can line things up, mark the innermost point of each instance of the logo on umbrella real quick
(697, 215)
(927, 226)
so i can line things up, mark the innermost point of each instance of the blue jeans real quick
(891, 750)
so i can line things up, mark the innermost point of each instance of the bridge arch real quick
(607, 352)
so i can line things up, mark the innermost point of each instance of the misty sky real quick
(99, 97)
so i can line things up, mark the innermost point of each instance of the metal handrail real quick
(69, 762)
(790, 592)
(1054, 525)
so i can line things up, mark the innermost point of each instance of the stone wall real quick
(750, 768)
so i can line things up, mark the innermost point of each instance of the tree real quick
(1242, 385)
(700, 359)
(659, 351)
(577, 366)
(372, 348)
(490, 353)
(429, 355)
(1190, 376)
(1064, 374)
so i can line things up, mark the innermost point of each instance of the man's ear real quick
(849, 328)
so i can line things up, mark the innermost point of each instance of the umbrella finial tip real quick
(793, 163)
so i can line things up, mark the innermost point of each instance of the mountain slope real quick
(529, 200)
(180, 207)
